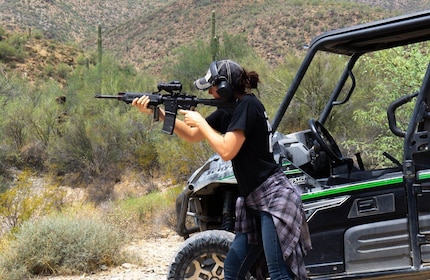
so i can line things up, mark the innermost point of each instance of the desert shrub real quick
(25, 200)
(4, 162)
(61, 244)
(146, 215)
(33, 155)
(93, 147)
(63, 70)
(178, 158)
(83, 60)
(2, 33)
(17, 40)
(7, 52)
(37, 34)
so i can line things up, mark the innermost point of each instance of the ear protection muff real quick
(224, 89)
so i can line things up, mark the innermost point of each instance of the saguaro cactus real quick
(99, 55)
(214, 39)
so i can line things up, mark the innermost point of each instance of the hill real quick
(272, 27)
(145, 32)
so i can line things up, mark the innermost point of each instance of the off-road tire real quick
(201, 256)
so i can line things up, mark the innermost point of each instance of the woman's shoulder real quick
(251, 100)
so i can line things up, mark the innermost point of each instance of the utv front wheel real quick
(201, 256)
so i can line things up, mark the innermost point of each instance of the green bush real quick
(146, 215)
(61, 245)
(37, 34)
(24, 201)
(7, 52)
(63, 70)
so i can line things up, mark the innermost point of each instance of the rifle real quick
(173, 101)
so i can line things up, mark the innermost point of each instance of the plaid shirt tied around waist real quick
(278, 197)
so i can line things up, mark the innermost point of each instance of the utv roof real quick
(378, 35)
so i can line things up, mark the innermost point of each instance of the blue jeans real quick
(242, 255)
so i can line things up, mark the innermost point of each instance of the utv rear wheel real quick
(201, 256)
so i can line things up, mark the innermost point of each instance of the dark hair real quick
(247, 81)
(253, 78)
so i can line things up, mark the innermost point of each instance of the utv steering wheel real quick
(326, 141)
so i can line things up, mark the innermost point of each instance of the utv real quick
(365, 222)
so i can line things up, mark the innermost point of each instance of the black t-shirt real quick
(254, 163)
(220, 118)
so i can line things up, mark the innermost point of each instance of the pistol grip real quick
(156, 113)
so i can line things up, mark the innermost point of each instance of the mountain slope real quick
(71, 20)
(144, 32)
(271, 27)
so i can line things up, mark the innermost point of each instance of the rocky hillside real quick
(71, 20)
(272, 27)
(144, 32)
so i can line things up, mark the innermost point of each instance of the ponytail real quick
(246, 82)
(253, 79)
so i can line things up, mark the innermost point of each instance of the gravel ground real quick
(155, 254)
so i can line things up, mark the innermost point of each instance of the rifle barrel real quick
(108, 96)
(215, 102)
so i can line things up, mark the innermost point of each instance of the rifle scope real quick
(170, 86)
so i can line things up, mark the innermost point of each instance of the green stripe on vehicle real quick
(353, 187)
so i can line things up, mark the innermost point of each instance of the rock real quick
(128, 265)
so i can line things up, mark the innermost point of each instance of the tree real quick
(405, 67)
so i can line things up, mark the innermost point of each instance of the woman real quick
(268, 206)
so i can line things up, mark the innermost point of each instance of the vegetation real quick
(53, 129)
(153, 211)
(21, 202)
(411, 63)
(145, 33)
(83, 238)
(61, 245)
